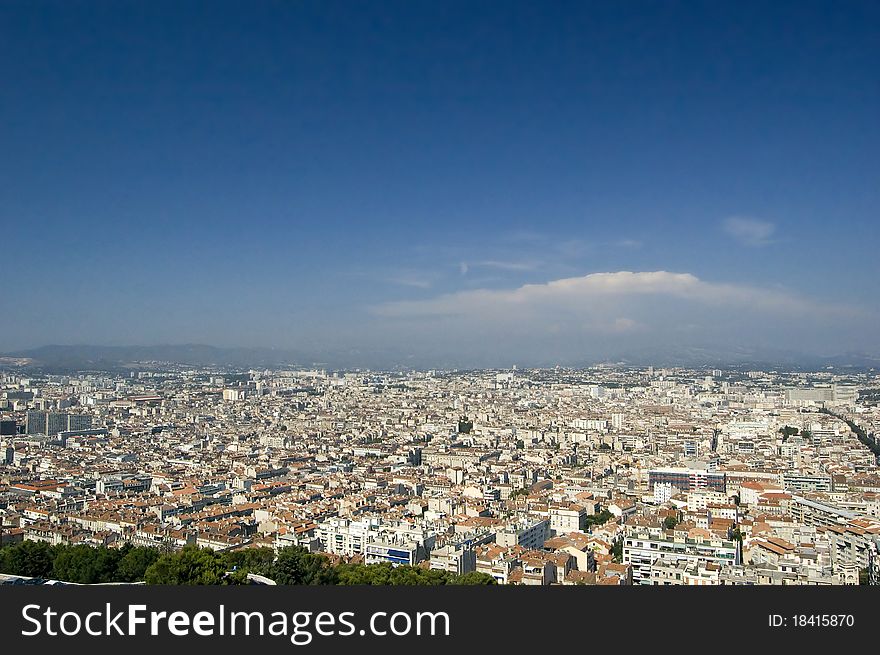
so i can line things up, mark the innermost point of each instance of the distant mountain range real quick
(112, 358)
(743, 357)
(70, 358)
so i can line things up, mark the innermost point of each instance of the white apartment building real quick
(529, 534)
(458, 559)
(377, 541)
(568, 517)
(644, 546)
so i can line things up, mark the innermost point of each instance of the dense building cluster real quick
(606, 475)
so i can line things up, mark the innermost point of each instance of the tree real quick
(860, 433)
(79, 563)
(411, 575)
(190, 566)
(599, 519)
(361, 574)
(33, 559)
(86, 565)
(670, 522)
(297, 566)
(473, 578)
(386, 574)
(134, 564)
(253, 560)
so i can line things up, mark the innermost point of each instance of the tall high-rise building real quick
(55, 423)
(35, 422)
(51, 423)
(79, 422)
(840, 394)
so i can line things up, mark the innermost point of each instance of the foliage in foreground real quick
(202, 566)
(82, 564)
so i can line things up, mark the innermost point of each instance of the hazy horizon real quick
(60, 358)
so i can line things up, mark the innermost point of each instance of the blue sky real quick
(389, 176)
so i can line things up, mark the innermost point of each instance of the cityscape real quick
(305, 302)
(606, 475)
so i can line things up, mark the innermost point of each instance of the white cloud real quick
(593, 294)
(609, 314)
(749, 231)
